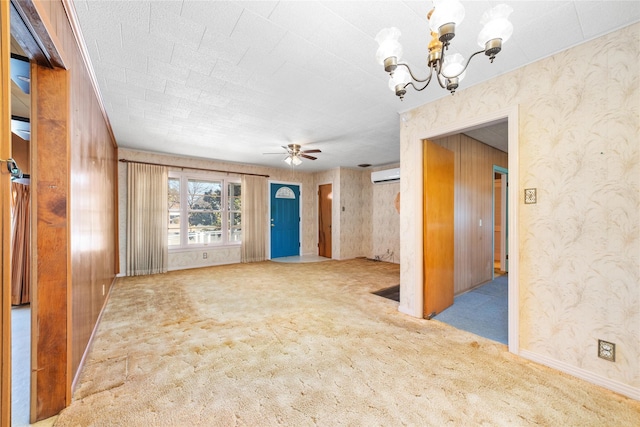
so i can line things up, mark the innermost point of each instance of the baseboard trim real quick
(613, 385)
(213, 264)
(76, 377)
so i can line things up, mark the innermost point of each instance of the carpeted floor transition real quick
(308, 344)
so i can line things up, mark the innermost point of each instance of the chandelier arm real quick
(439, 73)
(414, 77)
(464, 69)
(415, 87)
(426, 83)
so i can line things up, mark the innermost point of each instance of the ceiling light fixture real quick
(293, 160)
(449, 69)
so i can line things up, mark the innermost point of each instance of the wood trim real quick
(37, 26)
(33, 165)
(5, 268)
(70, 10)
(116, 221)
(51, 341)
(25, 39)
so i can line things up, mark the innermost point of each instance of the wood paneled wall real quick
(473, 203)
(89, 168)
(93, 185)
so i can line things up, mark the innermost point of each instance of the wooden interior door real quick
(325, 195)
(438, 228)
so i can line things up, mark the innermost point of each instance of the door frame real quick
(415, 271)
(5, 245)
(318, 218)
(299, 184)
(504, 216)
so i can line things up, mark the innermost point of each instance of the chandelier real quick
(449, 69)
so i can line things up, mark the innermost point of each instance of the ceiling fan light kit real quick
(292, 160)
(295, 153)
(449, 69)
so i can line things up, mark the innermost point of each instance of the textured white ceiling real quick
(231, 80)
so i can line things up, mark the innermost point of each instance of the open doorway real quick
(481, 303)
(500, 221)
(20, 235)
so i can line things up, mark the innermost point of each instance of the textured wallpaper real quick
(352, 214)
(579, 131)
(385, 219)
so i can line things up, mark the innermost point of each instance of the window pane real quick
(174, 193)
(174, 228)
(235, 227)
(204, 227)
(205, 195)
(234, 196)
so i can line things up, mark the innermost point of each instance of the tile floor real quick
(482, 311)
(20, 364)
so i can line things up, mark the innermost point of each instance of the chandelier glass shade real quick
(448, 68)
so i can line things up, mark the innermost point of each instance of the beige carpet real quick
(307, 344)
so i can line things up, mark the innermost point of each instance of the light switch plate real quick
(530, 196)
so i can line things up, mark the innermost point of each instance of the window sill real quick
(204, 247)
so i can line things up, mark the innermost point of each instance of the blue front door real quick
(285, 220)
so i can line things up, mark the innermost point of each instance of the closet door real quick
(438, 228)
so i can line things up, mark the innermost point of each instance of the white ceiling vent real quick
(385, 176)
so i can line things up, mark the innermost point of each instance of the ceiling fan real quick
(295, 152)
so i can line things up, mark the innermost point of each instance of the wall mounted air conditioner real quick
(385, 176)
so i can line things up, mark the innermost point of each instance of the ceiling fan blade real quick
(315, 150)
(307, 156)
(274, 153)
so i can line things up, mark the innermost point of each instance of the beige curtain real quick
(254, 218)
(147, 219)
(20, 237)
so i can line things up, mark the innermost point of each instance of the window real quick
(203, 210)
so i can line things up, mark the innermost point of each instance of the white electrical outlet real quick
(204, 255)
